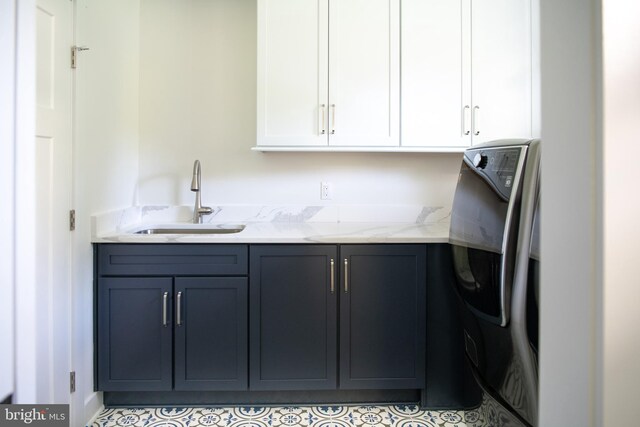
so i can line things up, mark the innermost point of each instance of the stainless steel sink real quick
(221, 229)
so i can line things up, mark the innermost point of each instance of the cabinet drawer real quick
(169, 259)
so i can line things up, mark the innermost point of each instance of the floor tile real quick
(308, 416)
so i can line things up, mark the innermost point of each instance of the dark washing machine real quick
(494, 239)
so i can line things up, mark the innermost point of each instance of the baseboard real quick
(342, 397)
(93, 405)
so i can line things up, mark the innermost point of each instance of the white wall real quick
(621, 213)
(106, 155)
(198, 101)
(571, 263)
(590, 345)
(107, 102)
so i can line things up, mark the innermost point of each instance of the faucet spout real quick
(198, 210)
(195, 181)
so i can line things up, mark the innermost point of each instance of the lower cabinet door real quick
(293, 301)
(382, 316)
(210, 321)
(134, 334)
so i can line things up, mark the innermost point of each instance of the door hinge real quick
(74, 54)
(72, 219)
(72, 381)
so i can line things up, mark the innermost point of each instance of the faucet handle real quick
(198, 213)
(205, 210)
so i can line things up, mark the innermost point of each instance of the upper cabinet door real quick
(501, 69)
(364, 80)
(436, 73)
(292, 89)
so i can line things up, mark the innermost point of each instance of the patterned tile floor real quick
(312, 416)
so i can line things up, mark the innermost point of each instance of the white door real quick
(53, 199)
(7, 221)
(436, 73)
(364, 72)
(501, 69)
(292, 90)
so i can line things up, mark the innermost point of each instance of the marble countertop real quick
(266, 232)
(277, 225)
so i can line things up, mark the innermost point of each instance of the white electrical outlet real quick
(326, 192)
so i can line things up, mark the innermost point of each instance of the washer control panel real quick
(498, 166)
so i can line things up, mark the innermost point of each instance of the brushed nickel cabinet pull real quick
(333, 276)
(179, 309)
(346, 276)
(333, 119)
(165, 298)
(465, 121)
(476, 128)
(322, 119)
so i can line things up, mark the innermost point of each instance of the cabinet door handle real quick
(179, 309)
(333, 119)
(165, 299)
(346, 276)
(476, 128)
(333, 276)
(465, 119)
(322, 119)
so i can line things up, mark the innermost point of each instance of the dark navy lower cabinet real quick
(210, 333)
(381, 291)
(293, 302)
(134, 340)
(382, 316)
(180, 320)
(176, 331)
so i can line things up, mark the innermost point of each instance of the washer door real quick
(484, 226)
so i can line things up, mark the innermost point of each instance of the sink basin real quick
(195, 229)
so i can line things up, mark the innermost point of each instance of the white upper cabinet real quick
(364, 72)
(501, 69)
(328, 73)
(293, 68)
(436, 74)
(392, 75)
(466, 72)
